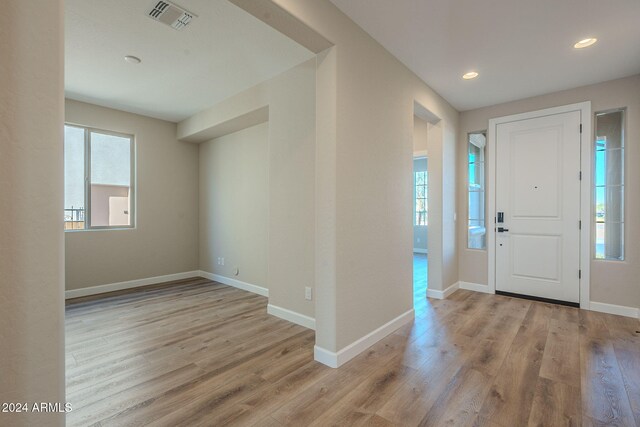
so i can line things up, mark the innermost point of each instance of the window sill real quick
(100, 229)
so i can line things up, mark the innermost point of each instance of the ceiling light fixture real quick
(585, 43)
(132, 59)
(470, 75)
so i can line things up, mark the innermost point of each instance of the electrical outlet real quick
(222, 260)
(218, 261)
(308, 293)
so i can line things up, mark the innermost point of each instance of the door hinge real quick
(580, 127)
(579, 274)
(580, 175)
(579, 224)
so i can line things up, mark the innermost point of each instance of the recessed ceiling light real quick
(132, 59)
(585, 43)
(470, 75)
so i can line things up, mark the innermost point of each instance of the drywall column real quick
(31, 236)
(292, 144)
(325, 238)
(363, 210)
(435, 231)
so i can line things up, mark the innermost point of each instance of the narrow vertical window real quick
(476, 235)
(609, 185)
(421, 197)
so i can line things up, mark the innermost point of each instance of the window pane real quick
(614, 199)
(74, 188)
(476, 205)
(110, 180)
(609, 236)
(420, 191)
(609, 133)
(476, 175)
(601, 161)
(601, 203)
(609, 185)
(476, 237)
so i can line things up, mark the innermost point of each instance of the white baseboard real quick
(434, 293)
(620, 310)
(292, 316)
(325, 357)
(101, 289)
(477, 287)
(235, 283)
(335, 360)
(419, 251)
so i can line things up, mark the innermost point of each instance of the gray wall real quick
(165, 240)
(612, 282)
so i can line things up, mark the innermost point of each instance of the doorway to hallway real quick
(420, 224)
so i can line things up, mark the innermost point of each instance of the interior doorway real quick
(420, 224)
(420, 211)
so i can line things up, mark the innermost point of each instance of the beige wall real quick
(292, 145)
(367, 143)
(165, 240)
(612, 282)
(31, 236)
(233, 204)
(289, 184)
(420, 132)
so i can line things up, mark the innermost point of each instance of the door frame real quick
(585, 189)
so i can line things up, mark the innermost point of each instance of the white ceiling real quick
(222, 52)
(520, 48)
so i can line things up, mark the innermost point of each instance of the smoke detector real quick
(170, 14)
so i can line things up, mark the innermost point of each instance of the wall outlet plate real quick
(308, 293)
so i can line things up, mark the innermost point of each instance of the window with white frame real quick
(98, 179)
(476, 231)
(609, 185)
(421, 204)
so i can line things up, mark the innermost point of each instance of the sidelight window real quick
(609, 185)
(476, 231)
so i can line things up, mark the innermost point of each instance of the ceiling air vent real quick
(171, 15)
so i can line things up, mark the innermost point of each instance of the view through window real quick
(609, 185)
(421, 197)
(476, 234)
(98, 171)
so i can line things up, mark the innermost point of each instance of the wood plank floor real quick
(198, 353)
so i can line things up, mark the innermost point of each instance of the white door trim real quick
(585, 189)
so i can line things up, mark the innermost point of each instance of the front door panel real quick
(538, 189)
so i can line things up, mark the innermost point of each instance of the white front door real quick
(537, 245)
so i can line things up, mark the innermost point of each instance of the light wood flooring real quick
(198, 353)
